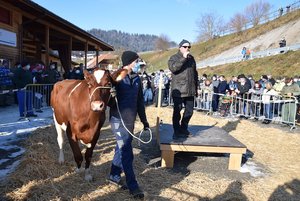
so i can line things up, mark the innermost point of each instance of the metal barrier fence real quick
(270, 108)
(203, 102)
(36, 97)
(265, 107)
(264, 19)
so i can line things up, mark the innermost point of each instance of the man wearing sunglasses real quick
(184, 88)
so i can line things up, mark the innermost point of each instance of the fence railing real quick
(35, 98)
(264, 19)
(254, 55)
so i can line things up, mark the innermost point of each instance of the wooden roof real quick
(35, 18)
(101, 58)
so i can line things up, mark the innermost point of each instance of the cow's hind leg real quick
(60, 129)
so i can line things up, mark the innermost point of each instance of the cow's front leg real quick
(88, 157)
(76, 151)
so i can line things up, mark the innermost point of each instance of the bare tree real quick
(209, 26)
(162, 43)
(257, 11)
(238, 22)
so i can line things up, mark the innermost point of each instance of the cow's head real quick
(100, 82)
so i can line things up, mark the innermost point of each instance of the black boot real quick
(178, 135)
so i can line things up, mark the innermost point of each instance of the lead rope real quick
(100, 87)
(141, 132)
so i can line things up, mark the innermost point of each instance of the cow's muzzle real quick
(97, 106)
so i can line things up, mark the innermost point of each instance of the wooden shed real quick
(31, 32)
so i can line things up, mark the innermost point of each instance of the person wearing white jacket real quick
(267, 98)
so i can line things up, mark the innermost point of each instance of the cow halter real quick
(100, 87)
(91, 95)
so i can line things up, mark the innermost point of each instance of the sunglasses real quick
(186, 47)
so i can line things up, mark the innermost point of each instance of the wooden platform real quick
(207, 139)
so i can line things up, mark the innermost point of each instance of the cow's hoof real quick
(88, 177)
(79, 170)
(61, 158)
(61, 161)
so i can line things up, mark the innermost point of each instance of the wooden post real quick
(158, 108)
(85, 54)
(167, 158)
(70, 55)
(235, 161)
(47, 45)
(97, 55)
(20, 43)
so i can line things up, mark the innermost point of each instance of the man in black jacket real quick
(184, 87)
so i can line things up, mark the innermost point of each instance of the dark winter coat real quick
(130, 100)
(22, 78)
(184, 75)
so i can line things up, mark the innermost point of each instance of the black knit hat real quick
(184, 41)
(128, 57)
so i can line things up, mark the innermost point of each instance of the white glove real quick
(185, 55)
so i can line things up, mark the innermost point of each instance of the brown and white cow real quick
(79, 111)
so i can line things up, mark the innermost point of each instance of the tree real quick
(162, 42)
(256, 11)
(210, 25)
(238, 22)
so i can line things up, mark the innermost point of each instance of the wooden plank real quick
(199, 148)
(202, 135)
(29, 45)
(29, 50)
(235, 161)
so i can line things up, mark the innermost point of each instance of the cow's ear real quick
(119, 75)
(88, 77)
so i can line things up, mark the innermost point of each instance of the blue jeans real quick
(148, 96)
(123, 158)
(21, 101)
(268, 110)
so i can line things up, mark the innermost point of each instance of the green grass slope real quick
(287, 64)
(158, 60)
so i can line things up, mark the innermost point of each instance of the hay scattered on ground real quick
(40, 177)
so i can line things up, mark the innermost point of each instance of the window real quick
(5, 16)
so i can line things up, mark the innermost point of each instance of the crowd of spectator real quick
(260, 94)
(151, 86)
(213, 90)
(21, 74)
(255, 97)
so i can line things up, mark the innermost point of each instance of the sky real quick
(173, 18)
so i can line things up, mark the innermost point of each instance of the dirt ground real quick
(273, 149)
